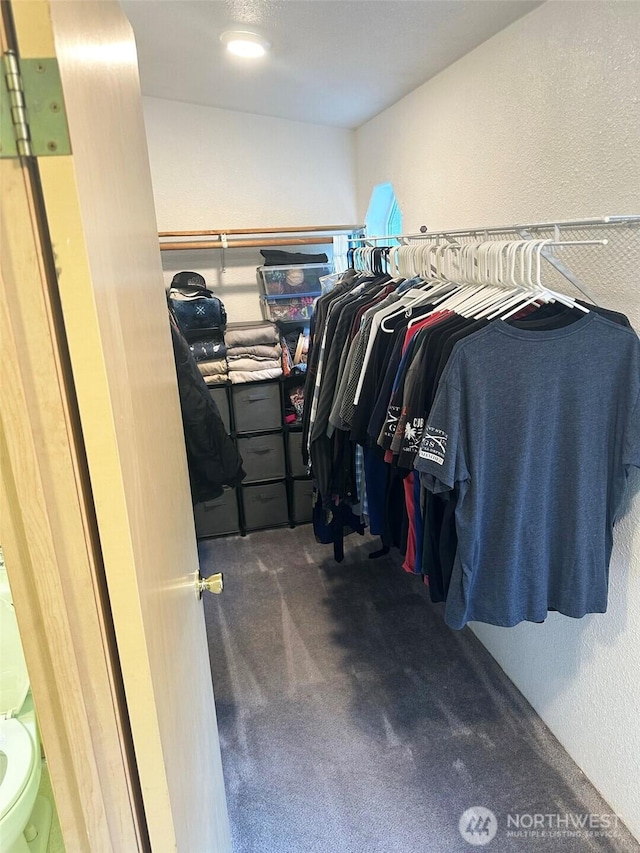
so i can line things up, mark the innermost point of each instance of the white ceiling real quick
(335, 62)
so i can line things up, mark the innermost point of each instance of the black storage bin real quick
(257, 407)
(219, 394)
(219, 516)
(265, 505)
(297, 468)
(302, 493)
(263, 457)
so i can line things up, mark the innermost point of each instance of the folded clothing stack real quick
(214, 371)
(253, 353)
(211, 359)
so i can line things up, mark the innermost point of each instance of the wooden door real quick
(100, 221)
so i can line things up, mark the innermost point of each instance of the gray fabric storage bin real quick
(297, 468)
(219, 516)
(263, 457)
(265, 505)
(302, 510)
(257, 407)
(220, 396)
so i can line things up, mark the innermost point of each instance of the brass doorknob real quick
(213, 584)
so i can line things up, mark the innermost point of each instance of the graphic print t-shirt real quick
(538, 429)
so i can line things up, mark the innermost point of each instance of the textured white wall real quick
(543, 122)
(215, 168)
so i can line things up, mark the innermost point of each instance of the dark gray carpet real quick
(352, 720)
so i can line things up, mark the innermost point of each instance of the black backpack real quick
(201, 315)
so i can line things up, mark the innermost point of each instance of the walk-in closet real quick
(353, 713)
(321, 461)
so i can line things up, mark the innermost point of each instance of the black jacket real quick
(213, 458)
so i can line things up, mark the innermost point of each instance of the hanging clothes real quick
(333, 462)
(455, 472)
(212, 456)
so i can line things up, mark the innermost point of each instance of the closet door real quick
(99, 217)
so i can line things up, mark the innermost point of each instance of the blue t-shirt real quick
(539, 430)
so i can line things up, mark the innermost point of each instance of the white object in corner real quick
(25, 818)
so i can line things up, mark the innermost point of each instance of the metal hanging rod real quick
(525, 232)
(504, 229)
(551, 243)
(603, 242)
(518, 230)
(379, 239)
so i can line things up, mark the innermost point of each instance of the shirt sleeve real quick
(632, 439)
(441, 459)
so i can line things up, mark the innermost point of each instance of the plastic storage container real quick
(287, 308)
(294, 280)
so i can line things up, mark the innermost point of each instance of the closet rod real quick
(593, 222)
(550, 243)
(527, 232)
(227, 231)
(244, 244)
(559, 223)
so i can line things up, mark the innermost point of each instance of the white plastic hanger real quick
(486, 263)
(453, 267)
(538, 292)
(479, 271)
(408, 301)
(516, 269)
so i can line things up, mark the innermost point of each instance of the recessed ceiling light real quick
(245, 44)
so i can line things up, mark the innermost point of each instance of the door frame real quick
(52, 555)
(49, 537)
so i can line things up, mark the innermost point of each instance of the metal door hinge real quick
(33, 120)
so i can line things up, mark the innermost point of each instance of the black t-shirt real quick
(379, 378)
(374, 376)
